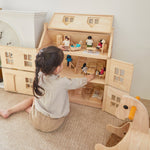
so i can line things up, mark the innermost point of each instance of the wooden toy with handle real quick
(133, 110)
(135, 134)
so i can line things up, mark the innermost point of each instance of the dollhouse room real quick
(95, 96)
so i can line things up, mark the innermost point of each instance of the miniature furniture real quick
(112, 84)
(136, 134)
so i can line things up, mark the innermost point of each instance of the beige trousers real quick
(42, 122)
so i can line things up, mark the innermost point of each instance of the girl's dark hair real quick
(47, 60)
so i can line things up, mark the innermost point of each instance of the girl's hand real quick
(62, 47)
(90, 77)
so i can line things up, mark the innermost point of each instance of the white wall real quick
(132, 29)
(27, 25)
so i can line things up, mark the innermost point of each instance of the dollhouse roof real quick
(81, 22)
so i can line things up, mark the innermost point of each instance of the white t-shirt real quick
(55, 101)
(89, 41)
(66, 42)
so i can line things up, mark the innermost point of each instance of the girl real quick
(50, 104)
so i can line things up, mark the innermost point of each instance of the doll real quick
(84, 68)
(100, 44)
(89, 41)
(69, 59)
(66, 43)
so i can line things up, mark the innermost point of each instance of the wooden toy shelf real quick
(90, 95)
(77, 99)
(68, 73)
(84, 53)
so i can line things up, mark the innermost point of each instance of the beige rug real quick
(84, 128)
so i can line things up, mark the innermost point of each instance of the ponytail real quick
(37, 90)
(47, 60)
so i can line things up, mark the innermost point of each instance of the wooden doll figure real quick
(99, 44)
(66, 43)
(89, 41)
(84, 68)
(69, 59)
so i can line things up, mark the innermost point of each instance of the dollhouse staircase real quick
(80, 62)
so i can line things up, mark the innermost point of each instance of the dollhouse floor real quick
(84, 127)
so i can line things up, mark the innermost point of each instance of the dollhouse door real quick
(9, 81)
(119, 74)
(112, 98)
(118, 82)
(24, 82)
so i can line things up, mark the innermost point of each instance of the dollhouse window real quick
(9, 58)
(118, 75)
(68, 19)
(71, 19)
(116, 71)
(121, 80)
(29, 82)
(96, 21)
(118, 99)
(121, 72)
(112, 104)
(27, 60)
(115, 101)
(116, 78)
(92, 21)
(113, 97)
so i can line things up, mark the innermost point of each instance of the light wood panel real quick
(18, 57)
(112, 98)
(119, 74)
(80, 22)
(18, 81)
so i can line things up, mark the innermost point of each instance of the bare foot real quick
(4, 113)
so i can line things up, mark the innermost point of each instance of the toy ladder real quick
(80, 62)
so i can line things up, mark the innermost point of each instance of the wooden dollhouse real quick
(105, 91)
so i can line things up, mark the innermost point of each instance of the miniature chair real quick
(104, 47)
(135, 134)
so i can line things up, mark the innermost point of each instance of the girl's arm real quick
(76, 83)
(90, 77)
